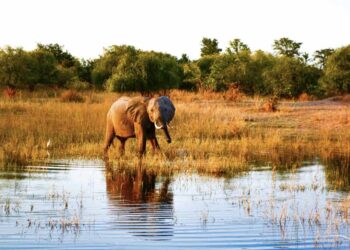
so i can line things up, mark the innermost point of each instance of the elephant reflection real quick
(142, 207)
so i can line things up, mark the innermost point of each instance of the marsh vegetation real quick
(280, 173)
(211, 134)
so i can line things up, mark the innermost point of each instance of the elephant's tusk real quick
(157, 127)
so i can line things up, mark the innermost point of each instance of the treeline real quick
(286, 73)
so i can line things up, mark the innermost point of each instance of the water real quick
(80, 204)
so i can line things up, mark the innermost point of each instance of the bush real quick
(10, 92)
(78, 85)
(233, 94)
(336, 79)
(304, 97)
(270, 105)
(71, 96)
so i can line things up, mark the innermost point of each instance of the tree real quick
(14, 66)
(204, 64)
(145, 72)
(262, 62)
(321, 56)
(304, 58)
(63, 57)
(42, 68)
(287, 47)
(184, 59)
(159, 71)
(336, 78)
(85, 70)
(236, 46)
(105, 66)
(67, 65)
(191, 76)
(209, 47)
(289, 77)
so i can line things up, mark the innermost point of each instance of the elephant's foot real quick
(105, 156)
(121, 152)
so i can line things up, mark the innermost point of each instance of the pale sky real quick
(85, 27)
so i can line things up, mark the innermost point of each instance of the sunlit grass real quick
(215, 136)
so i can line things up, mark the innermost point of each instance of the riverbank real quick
(211, 134)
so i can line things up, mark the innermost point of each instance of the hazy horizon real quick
(84, 28)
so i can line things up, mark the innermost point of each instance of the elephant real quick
(138, 117)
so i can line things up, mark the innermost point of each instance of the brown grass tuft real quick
(233, 94)
(71, 96)
(10, 92)
(270, 105)
(304, 97)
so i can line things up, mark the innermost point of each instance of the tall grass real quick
(210, 133)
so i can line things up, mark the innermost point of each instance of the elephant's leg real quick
(155, 145)
(141, 139)
(122, 145)
(110, 134)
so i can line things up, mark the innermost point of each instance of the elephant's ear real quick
(167, 107)
(136, 109)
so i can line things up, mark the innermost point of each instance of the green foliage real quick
(67, 66)
(143, 71)
(289, 77)
(321, 56)
(259, 73)
(125, 68)
(85, 70)
(64, 58)
(14, 63)
(237, 46)
(241, 70)
(184, 59)
(261, 63)
(126, 76)
(42, 68)
(204, 64)
(159, 71)
(336, 79)
(210, 47)
(77, 84)
(105, 66)
(287, 47)
(191, 76)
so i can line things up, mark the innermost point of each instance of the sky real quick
(85, 27)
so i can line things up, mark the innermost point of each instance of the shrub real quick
(233, 94)
(304, 97)
(78, 85)
(10, 92)
(336, 78)
(270, 105)
(71, 96)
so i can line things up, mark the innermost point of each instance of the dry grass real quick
(210, 134)
(71, 96)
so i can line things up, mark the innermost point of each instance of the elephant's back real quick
(123, 127)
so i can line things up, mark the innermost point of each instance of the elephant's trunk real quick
(165, 128)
